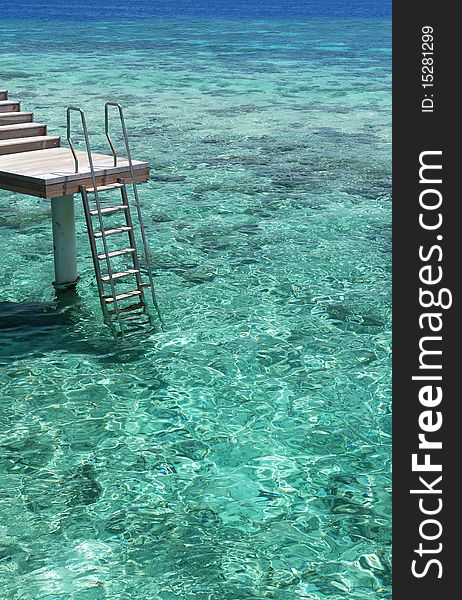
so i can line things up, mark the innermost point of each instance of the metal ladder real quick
(120, 316)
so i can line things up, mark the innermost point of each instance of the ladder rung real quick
(123, 296)
(120, 274)
(126, 309)
(112, 231)
(104, 188)
(135, 327)
(109, 209)
(117, 253)
(134, 318)
(139, 317)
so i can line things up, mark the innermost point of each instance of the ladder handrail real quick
(106, 128)
(69, 139)
(71, 109)
(135, 190)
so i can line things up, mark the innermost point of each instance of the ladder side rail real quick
(131, 237)
(135, 193)
(94, 251)
(95, 192)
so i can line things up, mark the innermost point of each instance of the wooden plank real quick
(3, 94)
(42, 190)
(105, 188)
(73, 187)
(9, 106)
(21, 130)
(103, 177)
(50, 173)
(109, 210)
(28, 189)
(16, 117)
(124, 296)
(58, 164)
(115, 253)
(117, 230)
(13, 146)
(120, 274)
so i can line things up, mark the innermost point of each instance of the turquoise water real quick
(243, 452)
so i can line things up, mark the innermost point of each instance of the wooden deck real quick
(34, 163)
(50, 173)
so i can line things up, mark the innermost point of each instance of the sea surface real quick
(244, 451)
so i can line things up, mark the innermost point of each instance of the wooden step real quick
(20, 130)
(3, 94)
(104, 188)
(124, 296)
(135, 317)
(126, 273)
(28, 144)
(131, 327)
(109, 210)
(16, 117)
(129, 309)
(10, 106)
(134, 326)
(117, 253)
(122, 229)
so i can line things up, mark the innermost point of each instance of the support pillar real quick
(64, 246)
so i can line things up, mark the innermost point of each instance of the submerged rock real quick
(17, 75)
(200, 274)
(83, 486)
